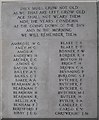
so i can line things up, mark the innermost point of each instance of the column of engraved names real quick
(25, 84)
(71, 76)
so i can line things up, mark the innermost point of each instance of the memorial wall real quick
(49, 60)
